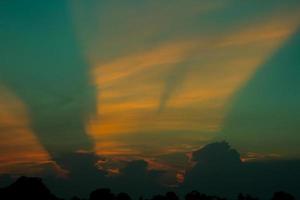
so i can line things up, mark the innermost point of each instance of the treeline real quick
(28, 188)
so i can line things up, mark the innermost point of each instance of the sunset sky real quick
(147, 80)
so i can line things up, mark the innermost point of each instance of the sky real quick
(147, 83)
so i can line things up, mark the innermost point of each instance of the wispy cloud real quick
(189, 81)
(167, 68)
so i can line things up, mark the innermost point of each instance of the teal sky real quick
(144, 79)
(265, 112)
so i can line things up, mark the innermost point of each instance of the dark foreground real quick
(34, 189)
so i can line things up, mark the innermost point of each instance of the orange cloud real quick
(131, 84)
(18, 145)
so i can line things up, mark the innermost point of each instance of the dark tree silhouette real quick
(27, 188)
(167, 196)
(159, 197)
(102, 194)
(195, 195)
(75, 198)
(282, 196)
(123, 196)
(34, 189)
(172, 196)
(246, 197)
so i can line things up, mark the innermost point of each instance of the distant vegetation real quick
(29, 188)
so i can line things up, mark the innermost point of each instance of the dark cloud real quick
(136, 179)
(219, 170)
(216, 153)
(217, 166)
(85, 176)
